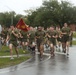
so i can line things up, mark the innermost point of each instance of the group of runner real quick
(36, 38)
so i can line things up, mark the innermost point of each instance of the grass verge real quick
(74, 42)
(6, 62)
(5, 51)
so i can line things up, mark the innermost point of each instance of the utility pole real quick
(11, 14)
(12, 18)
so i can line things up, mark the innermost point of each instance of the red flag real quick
(28, 27)
(21, 25)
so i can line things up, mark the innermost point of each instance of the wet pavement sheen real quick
(59, 65)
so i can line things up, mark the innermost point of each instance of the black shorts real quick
(65, 38)
(59, 39)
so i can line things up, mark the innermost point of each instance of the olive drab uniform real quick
(40, 34)
(4, 35)
(58, 35)
(31, 36)
(13, 38)
(24, 36)
(23, 40)
(58, 40)
(32, 41)
(40, 38)
(52, 41)
(65, 37)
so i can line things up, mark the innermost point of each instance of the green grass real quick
(5, 51)
(74, 42)
(6, 62)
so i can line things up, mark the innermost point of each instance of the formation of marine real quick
(56, 38)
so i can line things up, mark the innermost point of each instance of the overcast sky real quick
(20, 5)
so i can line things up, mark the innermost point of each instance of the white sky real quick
(20, 5)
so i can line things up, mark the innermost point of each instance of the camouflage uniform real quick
(23, 39)
(40, 37)
(4, 35)
(40, 34)
(32, 42)
(24, 36)
(58, 35)
(52, 39)
(13, 38)
(65, 37)
(31, 36)
(58, 40)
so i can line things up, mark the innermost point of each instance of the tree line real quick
(49, 13)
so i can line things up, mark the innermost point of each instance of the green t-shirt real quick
(66, 30)
(40, 34)
(4, 33)
(12, 36)
(24, 34)
(52, 33)
(32, 34)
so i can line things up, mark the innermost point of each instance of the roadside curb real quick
(8, 56)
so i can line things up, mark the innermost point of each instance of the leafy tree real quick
(8, 18)
(53, 12)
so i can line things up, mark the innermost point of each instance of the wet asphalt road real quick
(59, 65)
